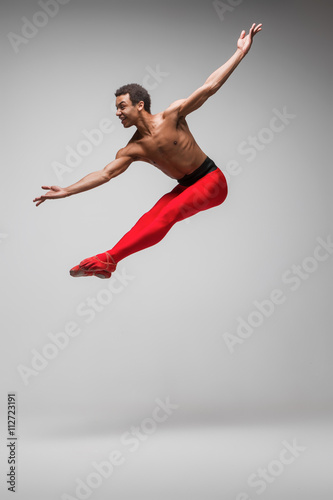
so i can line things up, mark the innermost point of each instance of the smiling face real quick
(128, 112)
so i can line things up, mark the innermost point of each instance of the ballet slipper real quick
(77, 272)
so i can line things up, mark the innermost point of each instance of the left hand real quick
(244, 42)
(54, 193)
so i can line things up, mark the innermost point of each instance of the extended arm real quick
(90, 181)
(215, 81)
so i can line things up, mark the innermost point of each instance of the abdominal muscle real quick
(177, 167)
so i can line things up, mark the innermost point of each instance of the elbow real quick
(106, 175)
(211, 87)
(110, 172)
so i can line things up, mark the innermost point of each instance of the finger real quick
(46, 187)
(41, 201)
(44, 197)
(37, 198)
(242, 34)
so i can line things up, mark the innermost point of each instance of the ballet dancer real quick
(165, 141)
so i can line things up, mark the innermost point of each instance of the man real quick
(165, 141)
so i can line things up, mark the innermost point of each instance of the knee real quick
(166, 218)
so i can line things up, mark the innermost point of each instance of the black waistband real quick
(189, 179)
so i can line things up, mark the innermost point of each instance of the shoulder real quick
(173, 108)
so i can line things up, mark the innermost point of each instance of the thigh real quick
(167, 198)
(208, 192)
(160, 205)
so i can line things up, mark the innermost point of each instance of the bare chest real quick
(165, 139)
(165, 142)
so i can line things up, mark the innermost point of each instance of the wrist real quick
(240, 54)
(67, 191)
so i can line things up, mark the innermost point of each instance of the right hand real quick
(54, 193)
(244, 42)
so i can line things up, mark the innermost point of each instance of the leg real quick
(205, 193)
(102, 265)
(180, 203)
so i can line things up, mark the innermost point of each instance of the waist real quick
(207, 166)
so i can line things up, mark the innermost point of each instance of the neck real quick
(145, 123)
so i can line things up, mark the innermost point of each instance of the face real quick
(128, 112)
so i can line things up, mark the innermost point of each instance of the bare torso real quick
(169, 146)
(163, 140)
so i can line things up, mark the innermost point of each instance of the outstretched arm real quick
(215, 81)
(90, 181)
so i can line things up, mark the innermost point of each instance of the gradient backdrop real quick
(229, 318)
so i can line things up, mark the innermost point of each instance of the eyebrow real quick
(120, 103)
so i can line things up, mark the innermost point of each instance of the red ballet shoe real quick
(101, 266)
(77, 272)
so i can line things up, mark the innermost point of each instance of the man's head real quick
(131, 99)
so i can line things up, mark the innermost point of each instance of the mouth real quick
(123, 119)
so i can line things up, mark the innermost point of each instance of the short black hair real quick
(137, 93)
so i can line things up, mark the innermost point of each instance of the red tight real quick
(182, 202)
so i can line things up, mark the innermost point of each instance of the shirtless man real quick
(165, 141)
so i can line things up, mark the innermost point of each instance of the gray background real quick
(163, 334)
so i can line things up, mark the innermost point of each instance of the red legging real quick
(182, 202)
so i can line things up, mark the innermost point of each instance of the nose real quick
(118, 112)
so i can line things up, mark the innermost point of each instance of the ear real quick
(140, 105)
